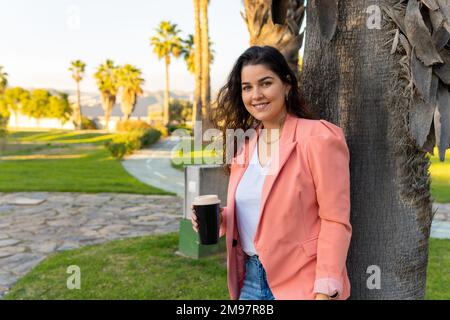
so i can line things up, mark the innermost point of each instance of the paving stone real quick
(25, 201)
(3, 236)
(68, 246)
(10, 251)
(45, 247)
(8, 242)
(7, 279)
(26, 266)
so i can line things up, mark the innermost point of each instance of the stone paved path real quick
(35, 224)
(440, 228)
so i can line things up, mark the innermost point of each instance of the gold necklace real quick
(271, 141)
(279, 134)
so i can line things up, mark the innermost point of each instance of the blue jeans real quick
(255, 282)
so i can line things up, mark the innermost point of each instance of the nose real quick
(257, 93)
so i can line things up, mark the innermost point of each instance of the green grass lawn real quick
(137, 268)
(65, 161)
(147, 268)
(440, 177)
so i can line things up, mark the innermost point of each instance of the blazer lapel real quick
(287, 144)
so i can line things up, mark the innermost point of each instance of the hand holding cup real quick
(194, 219)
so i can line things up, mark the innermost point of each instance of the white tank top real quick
(248, 201)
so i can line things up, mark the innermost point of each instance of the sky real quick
(40, 39)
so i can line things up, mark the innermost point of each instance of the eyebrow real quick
(260, 80)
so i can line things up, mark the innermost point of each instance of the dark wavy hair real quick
(230, 111)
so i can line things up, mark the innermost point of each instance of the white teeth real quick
(260, 106)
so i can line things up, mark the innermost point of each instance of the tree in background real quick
(166, 43)
(77, 68)
(130, 81)
(107, 83)
(41, 103)
(188, 53)
(277, 24)
(15, 98)
(180, 111)
(197, 59)
(59, 107)
(37, 105)
(205, 70)
(3, 80)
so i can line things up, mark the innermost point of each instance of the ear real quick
(288, 88)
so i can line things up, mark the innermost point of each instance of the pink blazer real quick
(304, 231)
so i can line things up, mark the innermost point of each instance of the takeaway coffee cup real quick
(207, 209)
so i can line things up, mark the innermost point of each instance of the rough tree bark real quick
(276, 23)
(348, 78)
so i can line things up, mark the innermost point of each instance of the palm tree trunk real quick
(78, 108)
(197, 105)
(109, 104)
(16, 120)
(205, 87)
(166, 94)
(355, 70)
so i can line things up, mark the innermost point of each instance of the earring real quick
(286, 96)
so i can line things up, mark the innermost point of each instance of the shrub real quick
(161, 128)
(150, 136)
(126, 143)
(173, 127)
(132, 125)
(117, 149)
(88, 124)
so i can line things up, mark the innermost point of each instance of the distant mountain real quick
(149, 102)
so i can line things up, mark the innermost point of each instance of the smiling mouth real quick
(260, 106)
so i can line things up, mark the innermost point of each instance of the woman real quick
(287, 232)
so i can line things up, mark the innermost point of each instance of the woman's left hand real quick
(321, 296)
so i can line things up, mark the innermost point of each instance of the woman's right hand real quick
(195, 221)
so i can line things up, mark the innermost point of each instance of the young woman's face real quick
(263, 93)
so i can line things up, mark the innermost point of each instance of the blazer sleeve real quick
(223, 225)
(329, 159)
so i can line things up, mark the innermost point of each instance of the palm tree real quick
(277, 24)
(16, 99)
(3, 80)
(205, 79)
(106, 77)
(130, 81)
(197, 105)
(77, 68)
(165, 44)
(188, 53)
